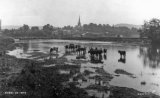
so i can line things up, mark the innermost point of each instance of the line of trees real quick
(107, 28)
(26, 31)
(49, 31)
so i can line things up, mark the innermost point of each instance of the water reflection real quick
(96, 58)
(150, 56)
(105, 57)
(122, 60)
(81, 56)
(53, 56)
(25, 47)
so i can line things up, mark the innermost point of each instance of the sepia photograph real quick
(79, 49)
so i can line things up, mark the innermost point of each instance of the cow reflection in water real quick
(51, 57)
(105, 54)
(96, 55)
(123, 60)
(122, 56)
(105, 57)
(67, 52)
(53, 53)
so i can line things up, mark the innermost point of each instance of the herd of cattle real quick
(95, 53)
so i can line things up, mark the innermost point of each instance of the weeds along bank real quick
(9, 66)
(37, 81)
(5, 42)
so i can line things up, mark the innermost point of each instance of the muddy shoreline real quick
(49, 78)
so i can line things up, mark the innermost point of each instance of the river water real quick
(142, 61)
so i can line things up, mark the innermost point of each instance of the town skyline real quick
(79, 25)
(66, 12)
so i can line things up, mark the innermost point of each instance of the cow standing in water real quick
(96, 55)
(105, 50)
(122, 53)
(71, 48)
(81, 52)
(122, 56)
(54, 49)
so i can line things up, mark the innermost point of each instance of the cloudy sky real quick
(66, 12)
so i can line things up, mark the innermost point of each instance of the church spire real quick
(79, 22)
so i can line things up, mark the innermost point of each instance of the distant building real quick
(78, 26)
(79, 22)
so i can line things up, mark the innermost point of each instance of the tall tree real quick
(151, 29)
(25, 27)
(48, 29)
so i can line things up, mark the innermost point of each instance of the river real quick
(141, 61)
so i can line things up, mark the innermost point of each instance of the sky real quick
(66, 12)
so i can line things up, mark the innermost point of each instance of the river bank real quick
(52, 80)
(112, 39)
(59, 78)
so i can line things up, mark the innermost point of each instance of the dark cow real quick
(122, 53)
(77, 46)
(54, 49)
(72, 47)
(66, 46)
(122, 56)
(105, 50)
(96, 55)
(95, 51)
(81, 50)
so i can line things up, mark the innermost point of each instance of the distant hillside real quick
(15, 27)
(10, 27)
(128, 25)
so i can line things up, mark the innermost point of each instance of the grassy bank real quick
(38, 81)
(5, 42)
(9, 65)
(43, 82)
